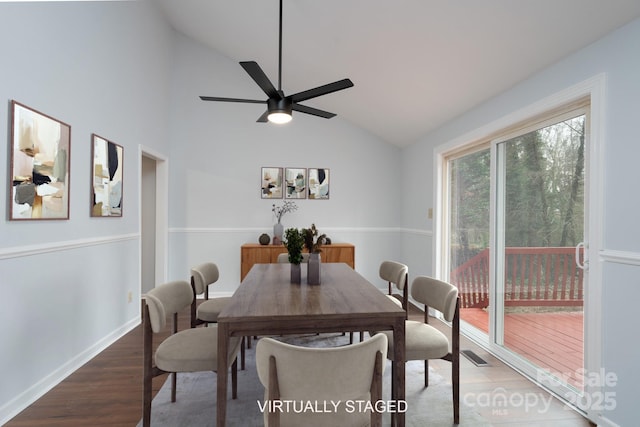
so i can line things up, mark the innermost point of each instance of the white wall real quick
(115, 69)
(217, 152)
(101, 67)
(615, 55)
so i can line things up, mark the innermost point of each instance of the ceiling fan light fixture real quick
(279, 110)
(279, 117)
(279, 106)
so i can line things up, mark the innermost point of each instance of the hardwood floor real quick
(107, 391)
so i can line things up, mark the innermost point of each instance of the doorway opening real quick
(153, 219)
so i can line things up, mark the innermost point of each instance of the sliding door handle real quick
(584, 262)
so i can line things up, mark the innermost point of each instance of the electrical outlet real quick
(430, 213)
(130, 296)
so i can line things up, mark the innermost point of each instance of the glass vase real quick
(313, 270)
(278, 230)
(296, 273)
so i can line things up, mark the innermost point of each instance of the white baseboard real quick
(33, 393)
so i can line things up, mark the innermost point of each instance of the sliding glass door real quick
(468, 237)
(513, 223)
(539, 230)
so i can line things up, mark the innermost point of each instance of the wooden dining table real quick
(266, 303)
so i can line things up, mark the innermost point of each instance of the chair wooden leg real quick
(393, 393)
(273, 392)
(376, 390)
(146, 404)
(426, 373)
(455, 363)
(455, 385)
(174, 385)
(234, 379)
(242, 354)
(147, 375)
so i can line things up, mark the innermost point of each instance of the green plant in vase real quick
(294, 242)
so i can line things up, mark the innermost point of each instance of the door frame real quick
(161, 211)
(594, 88)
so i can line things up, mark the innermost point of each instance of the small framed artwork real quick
(271, 183)
(295, 183)
(106, 174)
(318, 184)
(40, 151)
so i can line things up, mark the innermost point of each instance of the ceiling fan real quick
(279, 106)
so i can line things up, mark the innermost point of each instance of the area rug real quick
(196, 395)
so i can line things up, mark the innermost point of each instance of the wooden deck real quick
(552, 340)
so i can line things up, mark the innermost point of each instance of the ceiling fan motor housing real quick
(282, 105)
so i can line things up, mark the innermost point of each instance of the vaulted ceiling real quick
(416, 64)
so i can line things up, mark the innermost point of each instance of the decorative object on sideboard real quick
(279, 212)
(294, 242)
(107, 184)
(264, 239)
(313, 242)
(40, 160)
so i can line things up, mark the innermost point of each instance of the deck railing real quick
(545, 276)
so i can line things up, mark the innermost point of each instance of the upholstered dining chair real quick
(188, 350)
(395, 273)
(425, 342)
(202, 276)
(347, 374)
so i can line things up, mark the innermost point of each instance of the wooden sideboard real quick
(255, 253)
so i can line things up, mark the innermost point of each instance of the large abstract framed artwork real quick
(318, 184)
(40, 159)
(107, 177)
(295, 183)
(271, 187)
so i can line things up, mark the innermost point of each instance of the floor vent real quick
(474, 358)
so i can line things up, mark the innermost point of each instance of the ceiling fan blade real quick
(263, 118)
(322, 90)
(253, 69)
(312, 111)
(247, 101)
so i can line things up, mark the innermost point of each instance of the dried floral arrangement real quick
(279, 211)
(313, 241)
